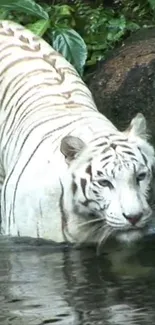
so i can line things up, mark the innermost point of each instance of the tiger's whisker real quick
(90, 222)
(103, 238)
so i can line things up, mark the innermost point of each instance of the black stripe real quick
(101, 144)
(128, 152)
(86, 203)
(62, 211)
(64, 217)
(9, 219)
(10, 111)
(38, 97)
(27, 114)
(35, 86)
(100, 137)
(18, 82)
(30, 131)
(4, 57)
(83, 183)
(11, 82)
(19, 60)
(121, 140)
(107, 157)
(24, 101)
(23, 77)
(73, 185)
(89, 171)
(122, 145)
(144, 157)
(103, 166)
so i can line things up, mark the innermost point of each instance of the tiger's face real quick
(110, 183)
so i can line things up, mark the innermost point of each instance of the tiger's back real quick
(41, 82)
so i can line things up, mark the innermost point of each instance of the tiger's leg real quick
(30, 205)
(2, 178)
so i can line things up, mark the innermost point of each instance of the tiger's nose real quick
(133, 219)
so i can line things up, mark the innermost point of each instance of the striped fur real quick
(66, 172)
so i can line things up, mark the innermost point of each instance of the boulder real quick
(124, 84)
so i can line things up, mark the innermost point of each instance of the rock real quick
(124, 84)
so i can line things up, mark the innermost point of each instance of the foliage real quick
(141, 11)
(101, 28)
(83, 33)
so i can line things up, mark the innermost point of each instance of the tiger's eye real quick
(141, 177)
(105, 183)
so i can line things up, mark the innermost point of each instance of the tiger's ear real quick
(137, 128)
(70, 146)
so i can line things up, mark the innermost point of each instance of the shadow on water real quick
(43, 284)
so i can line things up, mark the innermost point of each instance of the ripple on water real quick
(43, 284)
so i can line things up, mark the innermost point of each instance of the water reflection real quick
(55, 285)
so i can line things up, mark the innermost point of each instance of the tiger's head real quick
(109, 183)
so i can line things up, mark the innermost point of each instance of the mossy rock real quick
(124, 84)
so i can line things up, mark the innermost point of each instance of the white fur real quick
(43, 100)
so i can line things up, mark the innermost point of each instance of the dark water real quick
(43, 284)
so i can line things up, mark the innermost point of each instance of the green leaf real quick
(152, 4)
(132, 26)
(95, 57)
(26, 6)
(3, 13)
(64, 10)
(115, 36)
(118, 23)
(72, 46)
(40, 27)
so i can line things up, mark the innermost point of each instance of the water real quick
(45, 284)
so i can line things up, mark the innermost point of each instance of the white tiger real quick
(67, 174)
